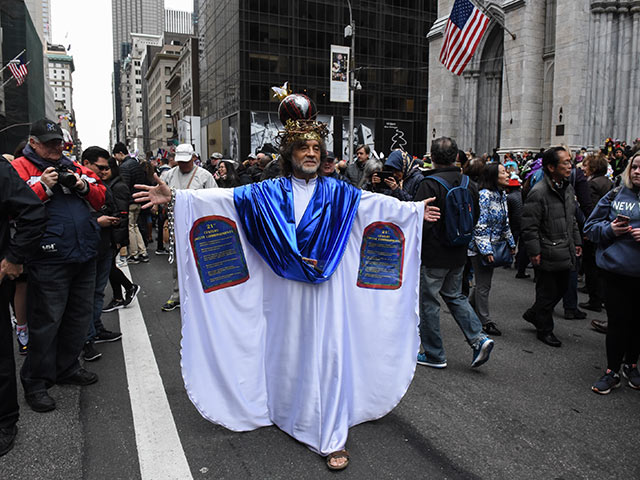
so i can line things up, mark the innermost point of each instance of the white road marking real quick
(160, 451)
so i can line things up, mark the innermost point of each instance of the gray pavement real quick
(527, 414)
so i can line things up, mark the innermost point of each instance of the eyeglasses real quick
(103, 168)
(53, 143)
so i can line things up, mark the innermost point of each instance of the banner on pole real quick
(339, 81)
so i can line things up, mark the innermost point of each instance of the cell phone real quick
(384, 175)
(622, 219)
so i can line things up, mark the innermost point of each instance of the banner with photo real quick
(364, 133)
(339, 80)
(266, 125)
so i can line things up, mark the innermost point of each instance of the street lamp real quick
(350, 31)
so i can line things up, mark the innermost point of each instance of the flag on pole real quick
(463, 32)
(18, 69)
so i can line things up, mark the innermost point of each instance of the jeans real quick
(136, 243)
(550, 288)
(448, 283)
(59, 310)
(103, 269)
(8, 389)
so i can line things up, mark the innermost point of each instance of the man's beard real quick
(307, 170)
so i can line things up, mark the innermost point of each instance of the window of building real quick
(167, 99)
(167, 70)
(168, 112)
(169, 129)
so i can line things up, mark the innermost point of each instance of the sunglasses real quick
(103, 168)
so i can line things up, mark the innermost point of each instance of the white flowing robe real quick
(313, 359)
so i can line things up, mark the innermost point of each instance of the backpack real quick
(458, 212)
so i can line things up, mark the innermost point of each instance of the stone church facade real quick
(571, 76)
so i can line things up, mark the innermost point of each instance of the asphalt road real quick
(527, 414)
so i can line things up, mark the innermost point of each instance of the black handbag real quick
(501, 255)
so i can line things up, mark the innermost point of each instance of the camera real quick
(66, 177)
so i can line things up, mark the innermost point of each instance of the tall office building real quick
(250, 46)
(130, 16)
(178, 21)
(40, 11)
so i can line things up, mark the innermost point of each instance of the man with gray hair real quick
(444, 254)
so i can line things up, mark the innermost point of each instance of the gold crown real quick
(303, 130)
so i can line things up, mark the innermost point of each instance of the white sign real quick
(339, 79)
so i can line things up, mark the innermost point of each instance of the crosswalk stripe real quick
(160, 451)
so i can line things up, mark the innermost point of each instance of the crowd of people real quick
(75, 224)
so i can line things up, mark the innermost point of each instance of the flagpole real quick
(482, 7)
(12, 60)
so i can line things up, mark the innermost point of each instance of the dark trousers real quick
(103, 270)
(570, 299)
(161, 217)
(550, 288)
(593, 277)
(522, 259)
(118, 280)
(59, 310)
(623, 330)
(8, 388)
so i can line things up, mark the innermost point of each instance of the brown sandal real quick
(339, 454)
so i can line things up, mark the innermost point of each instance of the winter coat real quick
(621, 254)
(598, 187)
(514, 208)
(436, 253)
(71, 234)
(549, 226)
(354, 173)
(412, 176)
(493, 223)
(20, 205)
(120, 195)
(132, 173)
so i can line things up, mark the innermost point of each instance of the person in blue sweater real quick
(614, 226)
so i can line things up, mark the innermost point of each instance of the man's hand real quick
(635, 233)
(79, 182)
(578, 251)
(620, 228)
(535, 261)
(431, 212)
(107, 221)
(49, 177)
(490, 258)
(9, 270)
(157, 195)
(375, 179)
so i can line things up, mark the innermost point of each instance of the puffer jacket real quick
(132, 173)
(549, 226)
(493, 223)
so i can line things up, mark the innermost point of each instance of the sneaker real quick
(105, 336)
(133, 260)
(162, 251)
(481, 352)
(22, 336)
(89, 353)
(608, 381)
(130, 294)
(631, 373)
(122, 261)
(422, 360)
(600, 325)
(170, 305)
(491, 328)
(113, 305)
(144, 258)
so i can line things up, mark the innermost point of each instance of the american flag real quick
(18, 70)
(462, 34)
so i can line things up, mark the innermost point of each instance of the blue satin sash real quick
(312, 251)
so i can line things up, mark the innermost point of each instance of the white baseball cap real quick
(184, 152)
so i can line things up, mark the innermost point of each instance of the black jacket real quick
(116, 204)
(18, 203)
(549, 226)
(435, 252)
(132, 173)
(598, 187)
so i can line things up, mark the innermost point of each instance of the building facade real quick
(161, 127)
(250, 46)
(570, 76)
(130, 16)
(178, 21)
(60, 67)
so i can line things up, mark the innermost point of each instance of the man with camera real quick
(62, 273)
